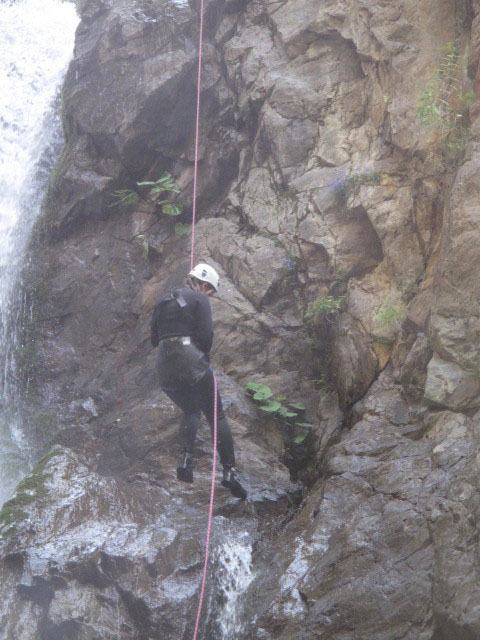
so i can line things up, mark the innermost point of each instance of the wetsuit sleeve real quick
(203, 325)
(154, 328)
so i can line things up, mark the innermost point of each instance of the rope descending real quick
(210, 514)
(192, 257)
(197, 135)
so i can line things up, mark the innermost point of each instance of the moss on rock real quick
(31, 489)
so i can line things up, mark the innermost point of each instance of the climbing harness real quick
(192, 257)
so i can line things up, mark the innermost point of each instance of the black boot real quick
(185, 467)
(230, 481)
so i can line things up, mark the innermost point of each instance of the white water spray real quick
(36, 44)
(233, 575)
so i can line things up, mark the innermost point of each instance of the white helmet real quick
(206, 273)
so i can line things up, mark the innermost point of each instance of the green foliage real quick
(444, 105)
(288, 413)
(182, 229)
(323, 309)
(364, 177)
(388, 321)
(390, 315)
(170, 209)
(128, 198)
(165, 183)
(30, 489)
(271, 236)
(125, 198)
(346, 184)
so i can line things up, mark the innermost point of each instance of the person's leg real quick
(205, 394)
(188, 430)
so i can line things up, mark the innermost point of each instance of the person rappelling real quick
(182, 330)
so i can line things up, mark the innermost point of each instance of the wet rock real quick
(385, 517)
(315, 180)
(95, 545)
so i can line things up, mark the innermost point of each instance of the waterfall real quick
(36, 44)
(231, 577)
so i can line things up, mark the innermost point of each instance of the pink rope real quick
(210, 513)
(192, 257)
(197, 135)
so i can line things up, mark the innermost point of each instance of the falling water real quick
(232, 576)
(36, 44)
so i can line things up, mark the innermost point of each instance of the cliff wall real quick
(320, 179)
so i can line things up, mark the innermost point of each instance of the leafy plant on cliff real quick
(388, 321)
(444, 105)
(345, 183)
(390, 315)
(128, 198)
(290, 414)
(323, 309)
(165, 184)
(181, 229)
(125, 198)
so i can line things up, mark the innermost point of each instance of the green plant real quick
(182, 229)
(388, 321)
(165, 183)
(322, 309)
(127, 198)
(271, 236)
(290, 414)
(444, 105)
(364, 177)
(30, 489)
(321, 385)
(346, 183)
(390, 315)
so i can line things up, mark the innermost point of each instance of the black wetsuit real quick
(184, 370)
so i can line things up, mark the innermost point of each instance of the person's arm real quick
(203, 324)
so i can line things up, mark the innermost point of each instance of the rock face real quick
(345, 232)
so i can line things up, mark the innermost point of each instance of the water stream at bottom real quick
(232, 575)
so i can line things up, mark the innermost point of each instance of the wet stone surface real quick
(316, 180)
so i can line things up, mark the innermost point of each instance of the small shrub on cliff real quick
(165, 183)
(127, 198)
(388, 321)
(444, 104)
(323, 309)
(346, 183)
(181, 229)
(390, 315)
(288, 413)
